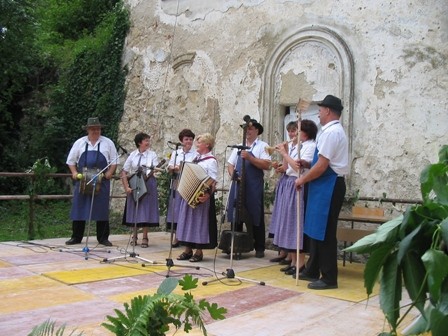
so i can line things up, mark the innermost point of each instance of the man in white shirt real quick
(256, 159)
(325, 196)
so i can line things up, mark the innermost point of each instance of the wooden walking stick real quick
(301, 107)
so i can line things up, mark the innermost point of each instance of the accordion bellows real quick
(194, 183)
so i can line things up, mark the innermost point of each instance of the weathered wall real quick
(216, 61)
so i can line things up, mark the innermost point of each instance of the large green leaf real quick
(436, 263)
(374, 265)
(444, 231)
(364, 245)
(388, 231)
(167, 286)
(406, 244)
(414, 279)
(390, 290)
(438, 323)
(434, 178)
(385, 233)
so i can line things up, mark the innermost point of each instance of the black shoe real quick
(286, 268)
(285, 262)
(319, 284)
(259, 254)
(106, 243)
(306, 277)
(292, 270)
(174, 245)
(277, 259)
(72, 241)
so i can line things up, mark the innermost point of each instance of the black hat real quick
(332, 102)
(257, 125)
(93, 122)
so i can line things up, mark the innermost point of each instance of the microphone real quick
(246, 118)
(124, 150)
(238, 147)
(177, 144)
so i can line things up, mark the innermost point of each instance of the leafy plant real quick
(153, 314)
(412, 250)
(48, 329)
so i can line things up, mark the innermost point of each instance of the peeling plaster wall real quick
(202, 65)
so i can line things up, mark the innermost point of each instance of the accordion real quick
(194, 183)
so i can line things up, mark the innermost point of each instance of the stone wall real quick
(206, 64)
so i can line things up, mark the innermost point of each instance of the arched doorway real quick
(309, 64)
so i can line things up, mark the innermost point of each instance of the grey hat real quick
(93, 122)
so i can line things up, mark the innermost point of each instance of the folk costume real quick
(325, 198)
(148, 205)
(254, 192)
(197, 227)
(84, 154)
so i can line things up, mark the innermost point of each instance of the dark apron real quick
(320, 192)
(82, 203)
(254, 192)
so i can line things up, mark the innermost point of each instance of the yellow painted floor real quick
(79, 287)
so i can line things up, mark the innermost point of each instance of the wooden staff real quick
(301, 107)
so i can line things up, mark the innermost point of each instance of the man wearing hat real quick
(326, 193)
(89, 155)
(256, 160)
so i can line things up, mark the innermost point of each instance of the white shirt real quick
(306, 153)
(333, 145)
(148, 160)
(181, 156)
(107, 148)
(209, 165)
(258, 149)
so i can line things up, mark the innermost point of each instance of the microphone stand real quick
(173, 183)
(93, 181)
(136, 196)
(230, 273)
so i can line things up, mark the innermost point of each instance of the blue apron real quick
(82, 203)
(254, 191)
(320, 192)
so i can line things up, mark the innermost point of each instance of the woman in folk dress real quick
(146, 215)
(197, 227)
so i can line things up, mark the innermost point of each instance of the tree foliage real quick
(60, 64)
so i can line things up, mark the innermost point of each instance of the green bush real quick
(411, 250)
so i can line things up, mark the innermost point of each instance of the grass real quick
(51, 221)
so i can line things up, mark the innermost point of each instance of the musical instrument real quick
(156, 168)
(194, 183)
(138, 185)
(93, 176)
(234, 241)
(271, 149)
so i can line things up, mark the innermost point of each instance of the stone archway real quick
(311, 63)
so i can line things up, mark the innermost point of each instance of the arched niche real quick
(310, 63)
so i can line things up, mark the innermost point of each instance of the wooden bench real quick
(350, 235)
